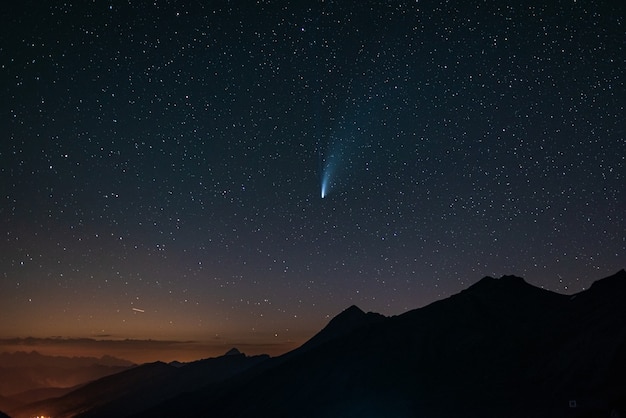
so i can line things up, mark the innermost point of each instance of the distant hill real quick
(141, 387)
(502, 347)
(33, 358)
(22, 372)
(36, 395)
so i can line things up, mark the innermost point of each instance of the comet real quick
(325, 185)
(344, 151)
(329, 166)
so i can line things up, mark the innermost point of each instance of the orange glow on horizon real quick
(147, 351)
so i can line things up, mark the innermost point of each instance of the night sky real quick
(238, 172)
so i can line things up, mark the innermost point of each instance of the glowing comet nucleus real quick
(327, 174)
(324, 186)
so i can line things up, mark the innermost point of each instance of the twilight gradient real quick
(161, 164)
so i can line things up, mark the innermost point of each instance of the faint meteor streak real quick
(138, 310)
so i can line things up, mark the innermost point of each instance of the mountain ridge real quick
(500, 347)
(498, 353)
(347, 321)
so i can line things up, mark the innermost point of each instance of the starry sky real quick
(238, 172)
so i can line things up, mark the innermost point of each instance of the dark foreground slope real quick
(500, 348)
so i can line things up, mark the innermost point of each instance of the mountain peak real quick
(348, 319)
(232, 352)
(344, 323)
(504, 283)
(352, 311)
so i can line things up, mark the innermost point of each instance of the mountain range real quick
(26, 377)
(502, 347)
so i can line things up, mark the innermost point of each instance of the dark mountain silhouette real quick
(346, 322)
(140, 388)
(232, 352)
(3, 415)
(502, 347)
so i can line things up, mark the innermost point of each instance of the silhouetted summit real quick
(233, 352)
(346, 322)
(505, 283)
(506, 298)
(509, 288)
